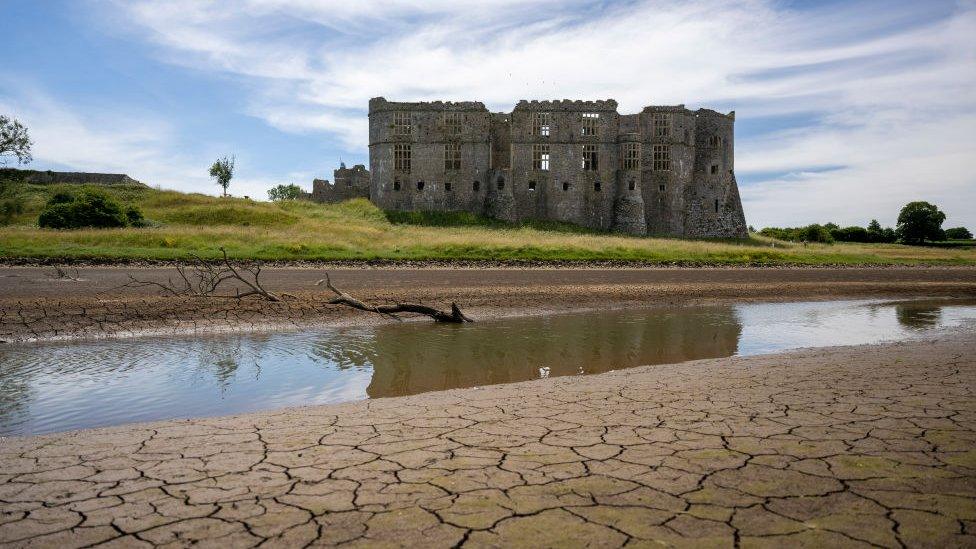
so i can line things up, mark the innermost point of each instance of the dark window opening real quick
(714, 168)
(565, 186)
(396, 185)
(632, 185)
(501, 184)
(420, 185)
(716, 205)
(531, 185)
(477, 186)
(660, 188)
(447, 186)
(597, 186)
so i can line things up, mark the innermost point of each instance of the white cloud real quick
(883, 89)
(113, 141)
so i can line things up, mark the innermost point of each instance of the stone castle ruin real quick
(666, 170)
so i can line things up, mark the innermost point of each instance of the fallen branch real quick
(201, 278)
(65, 273)
(342, 298)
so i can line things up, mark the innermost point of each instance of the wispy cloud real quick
(880, 92)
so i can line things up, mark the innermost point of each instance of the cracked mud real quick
(859, 446)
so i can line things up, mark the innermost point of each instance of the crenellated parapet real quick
(567, 105)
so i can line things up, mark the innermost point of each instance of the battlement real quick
(380, 104)
(567, 105)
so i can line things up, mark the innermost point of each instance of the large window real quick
(401, 123)
(401, 157)
(714, 141)
(540, 157)
(662, 124)
(631, 158)
(591, 123)
(591, 159)
(541, 122)
(452, 122)
(452, 156)
(662, 158)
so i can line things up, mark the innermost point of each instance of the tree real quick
(285, 192)
(920, 221)
(958, 233)
(14, 141)
(223, 170)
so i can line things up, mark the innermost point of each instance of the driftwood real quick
(200, 278)
(342, 298)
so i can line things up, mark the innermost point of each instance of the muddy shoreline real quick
(36, 306)
(831, 446)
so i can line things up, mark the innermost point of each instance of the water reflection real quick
(414, 359)
(54, 387)
(918, 315)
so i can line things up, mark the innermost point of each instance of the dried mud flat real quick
(36, 306)
(857, 447)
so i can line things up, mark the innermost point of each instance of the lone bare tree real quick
(14, 141)
(223, 170)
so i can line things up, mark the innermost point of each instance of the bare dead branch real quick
(65, 273)
(201, 278)
(342, 298)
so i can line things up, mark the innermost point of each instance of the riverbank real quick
(36, 305)
(840, 446)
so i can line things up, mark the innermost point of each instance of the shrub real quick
(958, 233)
(89, 208)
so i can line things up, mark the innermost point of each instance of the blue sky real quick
(845, 110)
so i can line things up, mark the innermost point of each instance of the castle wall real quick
(349, 183)
(500, 175)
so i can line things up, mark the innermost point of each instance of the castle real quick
(667, 170)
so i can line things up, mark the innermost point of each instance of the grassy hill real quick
(357, 230)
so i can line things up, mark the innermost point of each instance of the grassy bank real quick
(357, 230)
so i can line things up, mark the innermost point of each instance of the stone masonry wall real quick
(693, 193)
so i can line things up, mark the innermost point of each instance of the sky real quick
(845, 110)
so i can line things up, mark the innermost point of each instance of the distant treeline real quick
(831, 232)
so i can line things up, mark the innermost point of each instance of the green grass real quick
(357, 230)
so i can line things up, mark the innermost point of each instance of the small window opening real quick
(660, 188)
(590, 123)
(540, 157)
(632, 185)
(396, 185)
(477, 186)
(597, 186)
(541, 122)
(531, 185)
(714, 168)
(420, 185)
(501, 183)
(565, 186)
(447, 186)
(716, 205)
(591, 159)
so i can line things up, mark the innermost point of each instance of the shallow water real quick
(61, 386)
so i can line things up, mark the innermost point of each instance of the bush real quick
(958, 233)
(89, 208)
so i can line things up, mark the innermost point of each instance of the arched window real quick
(420, 185)
(396, 184)
(476, 186)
